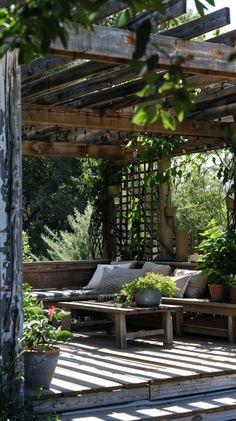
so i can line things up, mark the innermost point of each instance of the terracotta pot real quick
(170, 211)
(40, 367)
(233, 295)
(216, 292)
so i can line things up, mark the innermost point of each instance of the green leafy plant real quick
(40, 332)
(74, 245)
(164, 284)
(219, 249)
(231, 281)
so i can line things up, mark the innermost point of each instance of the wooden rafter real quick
(71, 117)
(117, 46)
(60, 149)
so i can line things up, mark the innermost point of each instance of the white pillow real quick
(181, 283)
(197, 284)
(156, 268)
(97, 276)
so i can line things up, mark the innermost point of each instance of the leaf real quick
(64, 335)
(167, 120)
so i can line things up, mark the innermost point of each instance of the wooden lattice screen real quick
(137, 214)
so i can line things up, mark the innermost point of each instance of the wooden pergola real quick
(79, 102)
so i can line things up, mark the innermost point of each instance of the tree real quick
(198, 193)
(52, 189)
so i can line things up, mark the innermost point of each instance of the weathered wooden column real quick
(11, 312)
(166, 222)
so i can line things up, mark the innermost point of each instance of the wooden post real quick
(166, 223)
(11, 313)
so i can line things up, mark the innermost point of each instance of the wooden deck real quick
(92, 373)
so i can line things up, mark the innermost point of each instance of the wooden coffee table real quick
(119, 314)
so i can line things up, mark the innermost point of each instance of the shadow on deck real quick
(92, 373)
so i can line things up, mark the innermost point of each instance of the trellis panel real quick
(137, 215)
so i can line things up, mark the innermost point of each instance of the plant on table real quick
(164, 284)
(219, 250)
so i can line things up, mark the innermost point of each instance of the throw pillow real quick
(156, 268)
(113, 280)
(197, 283)
(97, 276)
(181, 283)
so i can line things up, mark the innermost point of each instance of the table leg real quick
(120, 331)
(231, 329)
(179, 318)
(168, 328)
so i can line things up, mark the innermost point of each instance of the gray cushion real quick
(181, 283)
(113, 280)
(156, 268)
(97, 276)
(197, 284)
(64, 295)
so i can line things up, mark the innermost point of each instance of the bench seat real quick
(207, 307)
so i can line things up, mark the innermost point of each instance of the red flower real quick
(51, 312)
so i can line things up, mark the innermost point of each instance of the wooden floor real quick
(91, 372)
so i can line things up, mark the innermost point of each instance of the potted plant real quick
(147, 290)
(231, 282)
(218, 260)
(40, 335)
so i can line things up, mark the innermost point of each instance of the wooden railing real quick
(72, 274)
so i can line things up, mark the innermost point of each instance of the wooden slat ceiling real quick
(79, 101)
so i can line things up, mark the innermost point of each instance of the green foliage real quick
(219, 250)
(164, 284)
(73, 245)
(231, 281)
(52, 189)
(39, 333)
(197, 192)
(27, 256)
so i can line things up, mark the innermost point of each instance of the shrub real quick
(164, 284)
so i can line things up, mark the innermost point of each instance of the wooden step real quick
(217, 406)
(150, 390)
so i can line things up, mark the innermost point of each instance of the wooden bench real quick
(207, 325)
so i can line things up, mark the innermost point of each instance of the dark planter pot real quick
(40, 367)
(217, 292)
(148, 297)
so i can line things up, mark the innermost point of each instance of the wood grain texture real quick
(11, 317)
(117, 46)
(73, 118)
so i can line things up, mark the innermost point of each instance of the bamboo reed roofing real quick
(79, 101)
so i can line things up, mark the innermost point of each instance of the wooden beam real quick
(216, 112)
(62, 149)
(117, 46)
(71, 117)
(200, 26)
(201, 144)
(229, 38)
(173, 9)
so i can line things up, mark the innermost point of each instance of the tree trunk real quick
(11, 312)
